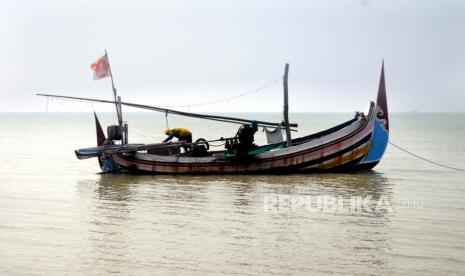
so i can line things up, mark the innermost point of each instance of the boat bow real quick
(380, 136)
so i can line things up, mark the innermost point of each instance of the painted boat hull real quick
(349, 149)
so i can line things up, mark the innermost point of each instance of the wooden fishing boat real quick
(357, 144)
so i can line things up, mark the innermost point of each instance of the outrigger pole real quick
(175, 112)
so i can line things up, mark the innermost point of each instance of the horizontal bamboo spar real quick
(175, 112)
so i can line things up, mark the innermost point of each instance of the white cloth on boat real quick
(273, 136)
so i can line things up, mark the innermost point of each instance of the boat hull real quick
(358, 146)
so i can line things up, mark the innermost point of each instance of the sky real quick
(174, 52)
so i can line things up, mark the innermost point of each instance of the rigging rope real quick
(226, 99)
(424, 159)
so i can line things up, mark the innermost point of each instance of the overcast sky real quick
(186, 52)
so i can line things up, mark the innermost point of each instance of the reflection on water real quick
(221, 221)
(114, 188)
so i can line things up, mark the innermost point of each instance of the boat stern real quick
(106, 162)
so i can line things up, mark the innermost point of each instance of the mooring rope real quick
(424, 159)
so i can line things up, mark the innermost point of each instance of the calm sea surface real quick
(58, 216)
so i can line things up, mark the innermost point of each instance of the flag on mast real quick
(101, 67)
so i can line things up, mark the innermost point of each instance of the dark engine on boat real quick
(243, 141)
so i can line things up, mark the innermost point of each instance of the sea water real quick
(59, 216)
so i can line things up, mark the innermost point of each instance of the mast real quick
(115, 95)
(286, 107)
(119, 112)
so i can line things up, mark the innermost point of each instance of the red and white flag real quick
(101, 68)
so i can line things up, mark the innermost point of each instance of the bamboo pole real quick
(286, 106)
(118, 107)
(171, 111)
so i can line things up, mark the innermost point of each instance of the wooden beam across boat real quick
(176, 112)
(107, 149)
(112, 149)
